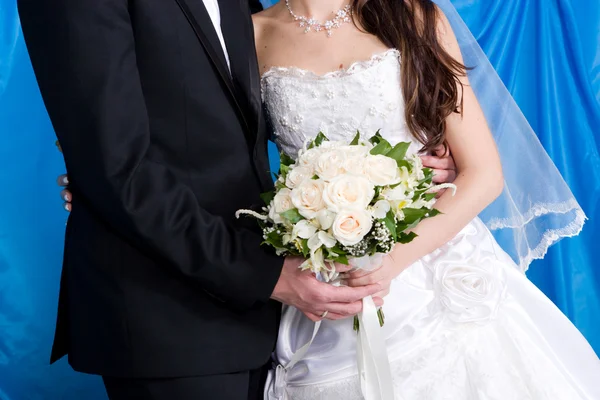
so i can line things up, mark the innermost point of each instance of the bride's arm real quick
(479, 180)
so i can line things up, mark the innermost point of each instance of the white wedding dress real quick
(463, 323)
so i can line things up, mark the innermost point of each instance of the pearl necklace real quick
(342, 16)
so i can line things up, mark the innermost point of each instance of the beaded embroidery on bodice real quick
(365, 97)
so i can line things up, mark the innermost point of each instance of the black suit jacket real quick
(162, 146)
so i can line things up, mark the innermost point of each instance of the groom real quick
(157, 108)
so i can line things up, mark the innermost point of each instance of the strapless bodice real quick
(365, 97)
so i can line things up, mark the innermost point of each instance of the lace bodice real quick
(365, 97)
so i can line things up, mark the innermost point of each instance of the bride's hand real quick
(65, 194)
(383, 275)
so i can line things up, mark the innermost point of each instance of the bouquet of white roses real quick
(344, 202)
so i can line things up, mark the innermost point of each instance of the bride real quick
(462, 320)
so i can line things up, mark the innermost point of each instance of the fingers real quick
(444, 176)
(343, 294)
(65, 195)
(366, 279)
(442, 151)
(378, 300)
(438, 162)
(311, 316)
(63, 180)
(341, 268)
(330, 316)
(360, 273)
(337, 311)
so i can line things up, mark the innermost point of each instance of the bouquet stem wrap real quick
(373, 365)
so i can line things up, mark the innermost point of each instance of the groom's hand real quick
(442, 163)
(301, 290)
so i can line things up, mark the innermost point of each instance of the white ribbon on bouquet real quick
(373, 365)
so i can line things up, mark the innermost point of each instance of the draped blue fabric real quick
(546, 52)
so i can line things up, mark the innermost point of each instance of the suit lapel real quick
(238, 32)
(199, 19)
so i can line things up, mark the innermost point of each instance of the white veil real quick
(536, 208)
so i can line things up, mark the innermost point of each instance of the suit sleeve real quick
(83, 54)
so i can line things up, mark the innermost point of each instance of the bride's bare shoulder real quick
(265, 19)
(266, 24)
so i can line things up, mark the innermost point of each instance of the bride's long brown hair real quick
(430, 76)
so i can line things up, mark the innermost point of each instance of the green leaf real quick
(318, 140)
(405, 238)
(428, 176)
(376, 138)
(354, 141)
(284, 170)
(429, 196)
(274, 239)
(267, 197)
(315, 177)
(433, 212)
(377, 192)
(305, 249)
(342, 259)
(286, 160)
(280, 185)
(390, 223)
(382, 148)
(413, 214)
(404, 163)
(292, 215)
(399, 152)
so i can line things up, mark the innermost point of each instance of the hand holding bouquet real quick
(346, 202)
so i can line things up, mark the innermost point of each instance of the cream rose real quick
(281, 203)
(381, 170)
(330, 164)
(354, 165)
(297, 175)
(351, 226)
(470, 291)
(308, 158)
(307, 197)
(348, 192)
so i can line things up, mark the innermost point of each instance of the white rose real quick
(325, 219)
(355, 151)
(308, 158)
(330, 164)
(307, 197)
(354, 165)
(351, 226)
(297, 175)
(348, 192)
(470, 290)
(281, 203)
(382, 170)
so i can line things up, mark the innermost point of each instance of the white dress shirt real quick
(212, 6)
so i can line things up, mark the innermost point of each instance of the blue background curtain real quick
(547, 53)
